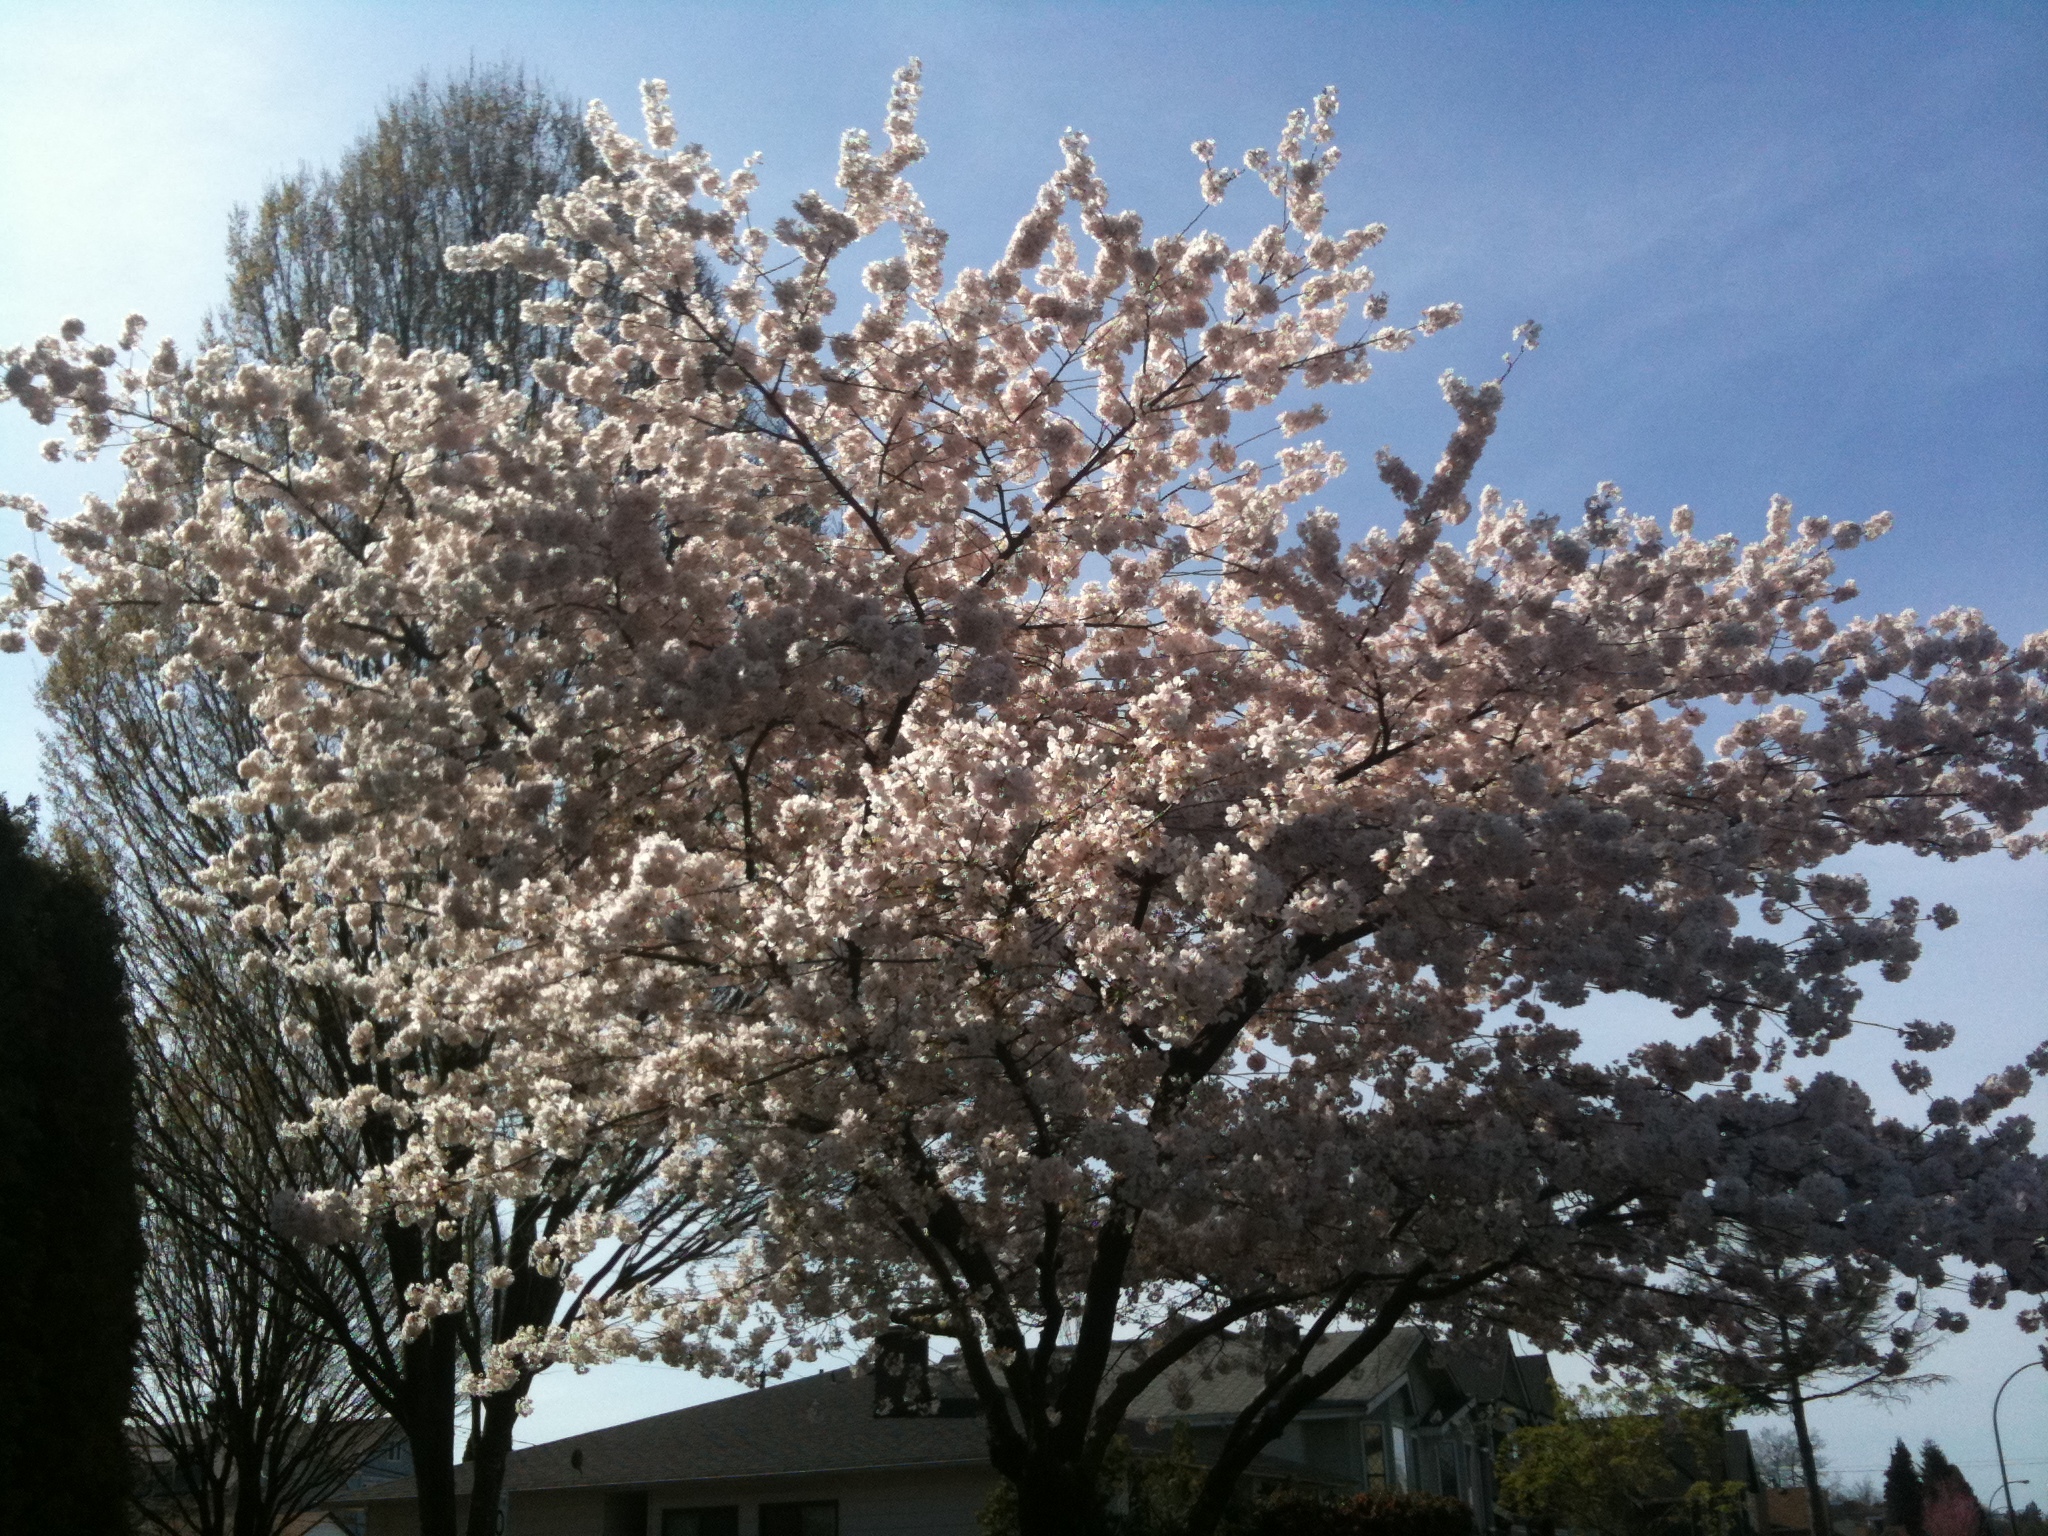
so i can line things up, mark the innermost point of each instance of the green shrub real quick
(1378, 1513)
(1152, 1495)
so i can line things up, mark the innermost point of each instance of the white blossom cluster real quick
(942, 760)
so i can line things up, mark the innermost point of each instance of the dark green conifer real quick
(67, 1184)
(1904, 1502)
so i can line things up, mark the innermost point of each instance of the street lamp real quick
(2005, 1482)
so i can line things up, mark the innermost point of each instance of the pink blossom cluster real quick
(935, 752)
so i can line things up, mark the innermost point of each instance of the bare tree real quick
(144, 772)
(244, 1394)
(248, 1410)
(1778, 1462)
(147, 772)
(450, 163)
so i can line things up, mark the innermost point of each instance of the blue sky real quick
(1775, 248)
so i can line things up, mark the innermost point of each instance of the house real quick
(164, 1479)
(388, 1457)
(1717, 1457)
(1789, 1514)
(845, 1454)
(1857, 1517)
(1786, 1510)
(1419, 1413)
(1729, 1460)
(803, 1458)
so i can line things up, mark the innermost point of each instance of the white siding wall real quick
(939, 1503)
(569, 1512)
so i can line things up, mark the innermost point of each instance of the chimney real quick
(903, 1378)
(1278, 1341)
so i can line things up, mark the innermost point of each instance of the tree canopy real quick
(1785, 1335)
(943, 764)
(1623, 1463)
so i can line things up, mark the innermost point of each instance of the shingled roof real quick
(1222, 1380)
(826, 1423)
(823, 1423)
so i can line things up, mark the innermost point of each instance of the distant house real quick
(829, 1456)
(1854, 1517)
(388, 1458)
(1730, 1461)
(164, 1480)
(1419, 1414)
(1786, 1510)
(1789, 1514)
(1720, 1458)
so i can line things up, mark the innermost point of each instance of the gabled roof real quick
(822, 1423)
(1223, 1379)
(1487, 1371)
(826, 1423)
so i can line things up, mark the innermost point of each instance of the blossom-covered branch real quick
(938, 767)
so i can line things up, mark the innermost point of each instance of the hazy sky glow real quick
(1775, 248)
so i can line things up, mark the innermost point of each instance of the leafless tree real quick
(247, 1411)
(448, 163)
(146, 774)
(143, 773)
(1776, 1453)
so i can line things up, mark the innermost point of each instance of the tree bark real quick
(1058, 1497)
(429, 1424)
(487, 1465)
(252, 1515)
(1816, 1496)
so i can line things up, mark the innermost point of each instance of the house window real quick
(1447, 1468)
(710, 1520)
(820, 1517)
(1372, 1439)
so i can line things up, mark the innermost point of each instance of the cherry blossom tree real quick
(942, 763)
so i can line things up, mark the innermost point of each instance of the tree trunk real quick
(1055, 1497)
(428, 1364)
(487, 1465)
(1206, 1518)
(529, 1302)
(1257, 1429)
(1816, 1497)
(252, 1506)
